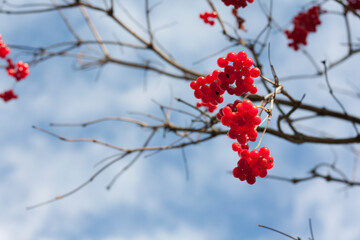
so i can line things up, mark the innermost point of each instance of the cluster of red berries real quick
(240, 116)
(8, 95)
(304, 23)
(242, 119)
(18, 71)
(4, 50)
(237, 3)
(252, 164)
(205, 16)
(207, 89)
(239, 73)
(236, 79)
(355, 4)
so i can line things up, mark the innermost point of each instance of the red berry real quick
(254, 72)
(241, 56)
(236, 172)
(236, 147)
(250, 179)
(263, 173)
(231, 56)
(254, 154)
(213, 15)
(222, 62)
(245, 154)
(264, 152)
(248, 62)
(247, 104)
(193, 85)
(253, 89)
(253, 110)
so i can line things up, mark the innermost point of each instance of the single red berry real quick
(264, 152)
(231, 56)
(250, 179)
(227, 111)
(245, 154)
(236, 146)
(253, 89)
(263, 173)
(247, 105)
(193, 85)
(222, 62)
(255, 72)
(236, 172)
(241, 56)
(248, 62)
(254, 154)
(253, 110)
(213, 15)
(257, 120)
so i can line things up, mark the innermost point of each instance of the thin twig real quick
(335, 98)
(272, 229)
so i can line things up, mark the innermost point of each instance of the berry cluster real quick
(252, 164)
(304, 23)
(242, 119)
(18, 71)
(205, 16)
(355, 4)
(207, 89)
(236, 78)
(237, 3)
(8, 95)
(239, 73)
(240, 116)
(4, 50)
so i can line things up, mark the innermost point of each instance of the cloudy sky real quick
(153, 200)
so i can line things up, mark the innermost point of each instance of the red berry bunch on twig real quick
(252, 164)
(355, 4)
(205, 16)
(19, 71)
(8, 95)
(4, 50)
(237, 3)
(304, 23)
(236, 78)
(240, 116)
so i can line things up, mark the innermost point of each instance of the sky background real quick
(153, 200)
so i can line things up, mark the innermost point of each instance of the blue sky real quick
(153, 200)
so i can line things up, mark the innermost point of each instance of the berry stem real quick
(268, 117)
(265, 109)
